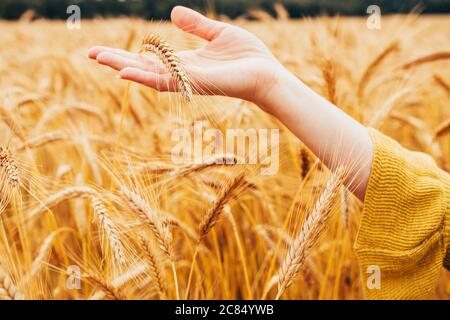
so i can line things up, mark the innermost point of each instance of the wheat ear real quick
(100, 212)
(423, 135)
(426, 59)
(8, 164)
(371, 68)
(345, 209)
(120, 281)
(43, 252)
(150, 218)
(310, 233)
(442, 129)
(442, 83)
(154, 265)
(171, 61)
(43, 139)
(8, 119)
(305, 165)
(227, 159)
(161, 231)
(66, 193)
(329, 75)
(109, 291)
(106, 224)
(8, 290)
(212, 216)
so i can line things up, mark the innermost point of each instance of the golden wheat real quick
(43, 139)
(8, 290)
(62, 127)
(8, 163)
(107, 289)
(110, 229)
(427, 59)
(150, 218)
(442, 129)
(329, 75)
(442, 83)
(372, 67)
(213, 214)
(69, 192)
(154, 266)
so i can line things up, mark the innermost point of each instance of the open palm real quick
(233, 62)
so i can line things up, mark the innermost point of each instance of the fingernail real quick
(118, 76)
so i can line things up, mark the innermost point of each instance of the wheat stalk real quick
(8, 163)
(220, 160)
(108, 290)
(329, 75)
(212, 216)
(160, 230)
(43, 253)
(371, 68)
(426, 59)
(379, 117)
(150, 218)
(43, 139)
(54, 110)
(312, 228)
(154, 265)
(110, 229)
(423, 135)
(305, 162)
(442, 83)
(100, 213)
(63, 194)
(345, 209)
(166, 54)
(280, 10)
(119, 282)
(11, 123)
(442, 129)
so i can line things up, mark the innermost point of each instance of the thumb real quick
(195, 23)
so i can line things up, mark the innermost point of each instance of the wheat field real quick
(93, 208)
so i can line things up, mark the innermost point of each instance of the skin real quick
(254, 74)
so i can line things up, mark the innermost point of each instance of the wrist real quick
(279, 84)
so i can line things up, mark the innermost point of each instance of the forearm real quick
(335, 137)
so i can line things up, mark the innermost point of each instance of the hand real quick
(233, 62)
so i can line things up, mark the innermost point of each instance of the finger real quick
(118, 62)
(154, 80)
(195, 23)
(95, 51)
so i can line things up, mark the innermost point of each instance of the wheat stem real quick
(310, 233)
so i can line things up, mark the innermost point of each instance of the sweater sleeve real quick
(404, 234)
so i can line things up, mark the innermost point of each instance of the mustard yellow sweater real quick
(405, 226)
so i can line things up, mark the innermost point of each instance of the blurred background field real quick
(154, 9)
